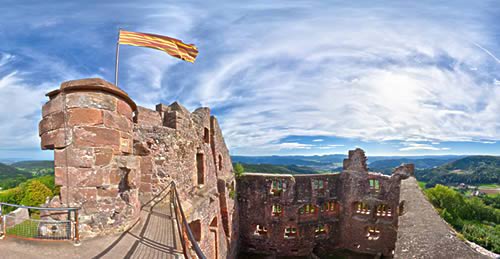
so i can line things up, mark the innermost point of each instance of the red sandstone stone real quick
(51, 122)
(117, 121)
(96, 137)
(91, 100)
(114, 177)
(103, 156)
(124, 109)
(55, 139)
(60, 175)
(74, 157)
(52, 106)
(148, 117)
(109, 192)
(80, 177)
(84, 117)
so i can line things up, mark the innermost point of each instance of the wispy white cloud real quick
(420, 146)
(294, 145)
(318, 140)
(369, 71)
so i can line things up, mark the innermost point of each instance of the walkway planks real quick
(155, 237)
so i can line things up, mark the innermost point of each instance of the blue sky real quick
(283, 77)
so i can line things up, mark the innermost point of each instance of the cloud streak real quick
(367, 71)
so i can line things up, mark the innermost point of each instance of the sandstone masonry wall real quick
(111, 155)
(354, 210)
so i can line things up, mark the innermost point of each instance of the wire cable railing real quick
(39, 223)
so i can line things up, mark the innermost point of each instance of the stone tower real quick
(88, 123)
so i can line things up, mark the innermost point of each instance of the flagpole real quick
(117, 57)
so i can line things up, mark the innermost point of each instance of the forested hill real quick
(474, 163)
(469, 170)
(278, 169)
(10, 176)
(34, 165)
(387, 166)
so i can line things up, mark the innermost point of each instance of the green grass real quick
(421, 184)
(489, 186)
(27, 229)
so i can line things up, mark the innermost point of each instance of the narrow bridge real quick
(156, 235)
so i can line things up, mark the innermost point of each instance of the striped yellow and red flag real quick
(173, 47)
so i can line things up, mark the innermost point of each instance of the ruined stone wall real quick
(323, 210)
(111, 155)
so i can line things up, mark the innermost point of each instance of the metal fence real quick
(38, 223)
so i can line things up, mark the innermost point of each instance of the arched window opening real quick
(372, 233)
(200, 168)
(195, 227)
(320, 229)
(307, 209)
(220, 162)
(329, 206)
(277, 187)
(384, 211)
(260, 230)
(374, 185)
(361, 208)
(290, 232)
(277, 210)
(206, 135)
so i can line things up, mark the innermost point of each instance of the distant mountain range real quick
(334, 162)
(13, 174)
(447, 169)
(470, 170)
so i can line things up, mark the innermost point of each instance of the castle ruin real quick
(112, 155)
(296, 215)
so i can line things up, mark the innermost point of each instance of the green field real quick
(27, 229)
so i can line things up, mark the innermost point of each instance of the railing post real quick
(77, 231)
(4, 226)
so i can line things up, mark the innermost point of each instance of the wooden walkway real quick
(155, 236)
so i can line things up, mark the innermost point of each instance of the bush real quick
(238, 169)
(470, 216)
(35, 194)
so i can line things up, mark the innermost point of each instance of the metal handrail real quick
(191, 238)
(39, 208)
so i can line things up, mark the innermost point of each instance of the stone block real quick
(91, 100)
(96, 137)
(60, 175)
(126, 143)
(83, 177)
(117, 121)
(124, 109)
(107, 192)
(114, 177)
(84, 117)
(130, 162)
(55, 139)
(103, 156)
(74, 157)
(52, 106)
(147, 117)
(51, 122)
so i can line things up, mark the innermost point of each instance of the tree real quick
(238, 169)
(35, 194)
